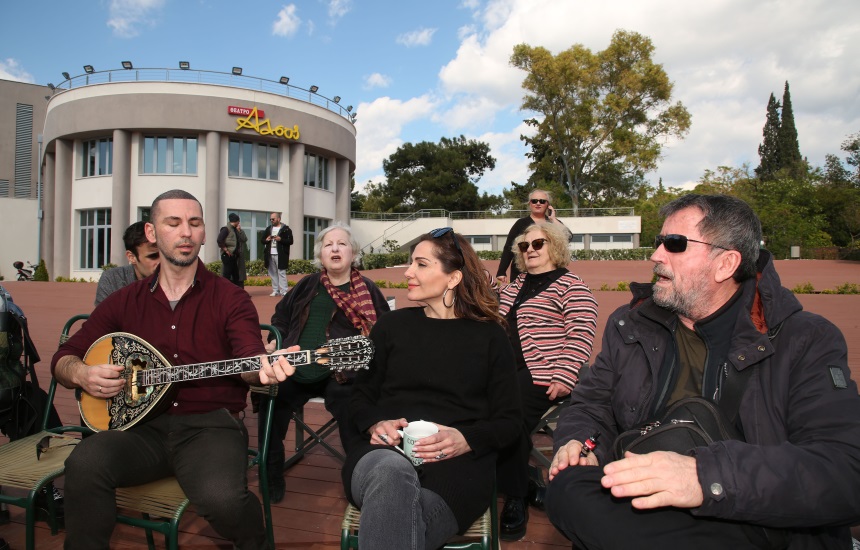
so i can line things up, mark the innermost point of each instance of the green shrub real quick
(490, 254)
(41, 273)
(623, 286)
(108, 266)
(621, 254)
(848, 288)
(379, 261)
(804, 288)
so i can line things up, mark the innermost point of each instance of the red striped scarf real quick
(357, 304)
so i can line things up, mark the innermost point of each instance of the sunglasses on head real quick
(678, 243)
(442, 231)
(537, 244)
(539, 201)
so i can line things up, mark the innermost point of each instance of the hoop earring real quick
(453, 299)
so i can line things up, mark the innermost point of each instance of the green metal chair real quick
(482, 535)
(22, 468)
(158, 506)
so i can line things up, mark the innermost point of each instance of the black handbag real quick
(689, 423)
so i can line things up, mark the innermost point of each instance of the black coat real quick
(283, 247)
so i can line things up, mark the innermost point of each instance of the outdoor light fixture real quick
(51, 86)
(184, 65)
(284, 80)
(89, 69)
(127, 65)
(349, 109)
(237, 71)
(337, 99)
(314, 89)
(66, 76)
(48, 97)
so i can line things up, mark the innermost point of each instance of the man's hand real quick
(277, 371)
(655, 480)
(568, 456)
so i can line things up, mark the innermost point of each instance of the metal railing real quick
(196, 76)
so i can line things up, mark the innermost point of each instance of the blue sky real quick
(417, 71)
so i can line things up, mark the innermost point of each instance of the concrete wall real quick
(20, 239)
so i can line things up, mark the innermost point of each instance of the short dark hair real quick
(167, 195)
(728, 222)
(134, 236)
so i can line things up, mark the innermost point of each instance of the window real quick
(95, 238)
(249, 160)
(479, 242)
(316, 171)
(97, 157)
(169, 155)
(253, 224)
(312, 228)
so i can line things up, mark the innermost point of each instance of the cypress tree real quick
(768, 151)
(789, 149)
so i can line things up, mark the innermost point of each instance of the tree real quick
(768, 151)
(789, 148)
(852, 146)
(429, 175)
(603, 114)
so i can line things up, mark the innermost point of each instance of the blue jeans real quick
(396, 512)
(208, 454)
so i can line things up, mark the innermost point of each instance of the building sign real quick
(255, 120)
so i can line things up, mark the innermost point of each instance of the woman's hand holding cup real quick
(385, 432)
(446, 443)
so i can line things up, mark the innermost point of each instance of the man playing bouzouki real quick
(190, 316)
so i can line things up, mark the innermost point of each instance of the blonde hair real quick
(556, 244)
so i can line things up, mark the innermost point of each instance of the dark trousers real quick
(512, 474)
(230, 269)
(208, 454)
(292, 396)
(592, 518)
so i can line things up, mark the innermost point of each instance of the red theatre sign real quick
(244, 111)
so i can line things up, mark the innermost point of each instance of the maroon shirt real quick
(213, 321)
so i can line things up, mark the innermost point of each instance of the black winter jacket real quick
(799, 468)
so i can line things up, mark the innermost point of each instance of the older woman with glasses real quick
(540, 211)
(450, 363)
(552, 318)
(334, 303)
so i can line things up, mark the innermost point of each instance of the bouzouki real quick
(149, 376)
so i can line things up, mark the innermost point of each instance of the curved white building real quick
(115, 140)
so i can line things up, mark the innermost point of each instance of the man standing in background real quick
(231, 241)
(276, 240)
(142, 258)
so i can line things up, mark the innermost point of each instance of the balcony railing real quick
(205, 77)
(486, 214)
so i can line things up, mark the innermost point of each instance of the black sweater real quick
(458, 373)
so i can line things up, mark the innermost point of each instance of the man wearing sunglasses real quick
(276, 240)
(540, 212)
(715, 311)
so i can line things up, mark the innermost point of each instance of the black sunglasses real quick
(441, 232)
(537, 244)
(678, 243)
(539, 201)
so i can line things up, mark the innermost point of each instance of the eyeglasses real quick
(273, 220)
(442, 231)
(537, 244)
(539, 201)
(678, 243)
(44, 445)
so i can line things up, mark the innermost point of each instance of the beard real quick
(687, 302)
(179, 261)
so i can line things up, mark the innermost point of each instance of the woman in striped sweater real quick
(552, 317)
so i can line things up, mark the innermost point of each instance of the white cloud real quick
(380, 126)
(11, 70)
(339, 8)
(511, 161)
(287, 23)
(126, 17)
(376, 80)
(420, 37)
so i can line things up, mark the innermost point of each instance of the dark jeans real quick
(512, 474)
(230, 270)
(592, 518)
(292, 396)
(208, 454)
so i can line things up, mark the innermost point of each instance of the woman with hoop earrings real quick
(449, 363)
